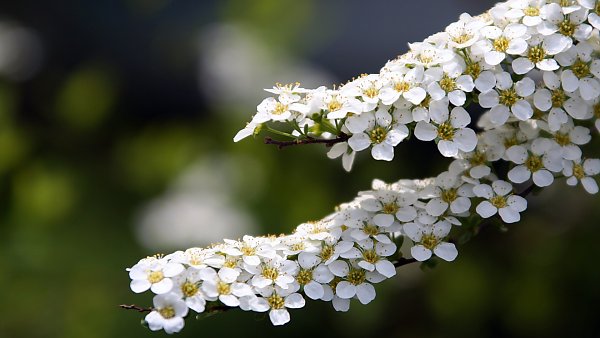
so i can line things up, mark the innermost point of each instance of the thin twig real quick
(310, 140)
(136, 308)
(404, 261)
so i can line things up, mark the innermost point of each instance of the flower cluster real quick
(531, 63)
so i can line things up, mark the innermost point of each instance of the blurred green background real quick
(116, 121)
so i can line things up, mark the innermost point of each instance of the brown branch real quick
(309, 140)
(136, 308)
(404, 261)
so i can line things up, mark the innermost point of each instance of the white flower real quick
(277, 301)
(371, 256)
(578, 171)
(272, 110)
(187, 286)
(569, 137)
(312, 276)
(389, 203)
(535, 162)
(403, 85)
(380, 133)
(499, 199)
(355, 283)
(449, 192)
(154, 274)
(428, 239)
(273, 272)
(528, 11)
(223, 286)
(555, 99)
(508, 98)
(454, 85)
(538, 53)
(251, 249)
(511, 40)
(347, 153)
(168, 313)
(465, 32)
(450, 129)
(580, 71)
(567, 21)
(339, 105)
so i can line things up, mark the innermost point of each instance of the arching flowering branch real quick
(532, 64)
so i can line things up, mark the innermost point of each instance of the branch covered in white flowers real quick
(532, 63)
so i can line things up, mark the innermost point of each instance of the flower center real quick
(276, 302)
(449, 195)
(371, 92)
(297, 246)
(534, 163)
(478, 158)
(356, 276)
(536, 54)
(580, 68)
(370, 229)
(566, 27)
(270, 273)
(155, 276)
(473, 69)
(425, 102)
(445, 131)
(462, 38)
(597, 8)
(429, 241)
(531, 11)
(402, 86)
(501, 44)
(248, 250)
(334, 105)
(578, 171)
(304, 277)
(498, 201)
(230, 263)
(508, 97)
(167, 312)
(390, 208)
(447, 83)
(223, 288)
(562, 139)
(510, 141)
(378, 135)
(279, 109)
(334, 282)
(558, 98)
(189, 289)
(326, 252)
(370, 256)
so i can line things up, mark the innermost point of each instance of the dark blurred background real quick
(116, 126)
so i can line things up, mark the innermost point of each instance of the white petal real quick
(485, 209)
(519, 174)
(446, 251)
(279, 317)
(448, 148)
(420, 253)
(425, 131)
(359, 142)
(345, 290)
(542, 178)
(365, 293)
(294, 301)
(314, 290)
(386, 268)
(509, 215)
(382, 152)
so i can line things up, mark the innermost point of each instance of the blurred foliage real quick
(114, 117)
